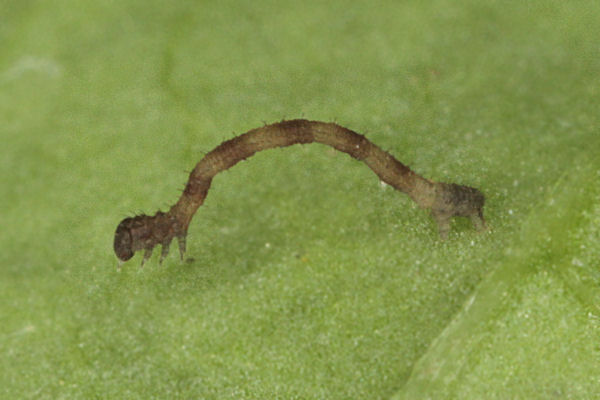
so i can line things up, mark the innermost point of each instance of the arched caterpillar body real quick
(445, 201)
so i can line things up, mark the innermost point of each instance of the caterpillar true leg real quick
(445, 200)
(181, 243)
(164, 250)
(147, 255)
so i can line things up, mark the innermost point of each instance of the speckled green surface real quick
(306, 278)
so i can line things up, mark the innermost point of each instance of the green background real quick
(305, 278)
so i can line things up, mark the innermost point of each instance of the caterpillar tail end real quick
(452, 200)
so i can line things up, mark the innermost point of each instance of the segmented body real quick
(144, 232)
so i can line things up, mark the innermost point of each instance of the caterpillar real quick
(445, 200)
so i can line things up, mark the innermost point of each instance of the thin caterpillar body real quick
(144, 232)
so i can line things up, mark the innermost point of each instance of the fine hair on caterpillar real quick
(444, 200)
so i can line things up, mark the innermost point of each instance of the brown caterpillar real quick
(445, 200)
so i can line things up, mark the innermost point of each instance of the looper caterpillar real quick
(445, 200)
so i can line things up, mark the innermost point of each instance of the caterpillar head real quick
(145, 232)
(123, 243)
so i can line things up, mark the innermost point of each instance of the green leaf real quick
(306, 278)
